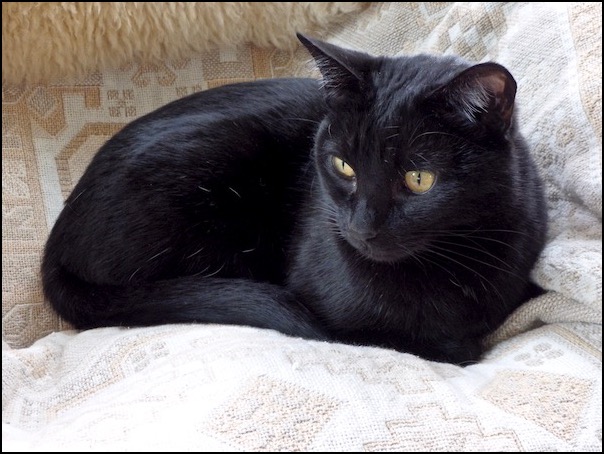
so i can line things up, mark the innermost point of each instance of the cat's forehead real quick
(402, 80)
(391, 125)
(401, 84)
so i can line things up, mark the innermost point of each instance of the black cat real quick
(392, 204)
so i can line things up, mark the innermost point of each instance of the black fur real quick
(226, 207)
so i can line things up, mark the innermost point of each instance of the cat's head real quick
(412, 147)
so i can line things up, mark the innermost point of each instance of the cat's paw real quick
(463, 352)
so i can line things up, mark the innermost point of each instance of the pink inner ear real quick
(495, 84)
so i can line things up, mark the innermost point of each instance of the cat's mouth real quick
(376, 249)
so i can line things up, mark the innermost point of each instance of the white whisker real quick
(158, 254)
(195, 253)
(78, 196)
(238, 195)
(478, 249)
(459, 254)
(132, 275)
(303, 119)
(431, 251)
(216, 272)
(202, 271)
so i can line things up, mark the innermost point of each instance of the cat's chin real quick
(376, 253)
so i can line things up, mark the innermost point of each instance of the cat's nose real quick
(364, 221)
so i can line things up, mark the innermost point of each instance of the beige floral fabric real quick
(238, 388)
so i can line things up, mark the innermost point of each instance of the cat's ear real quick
(342, 69)
(482, 95)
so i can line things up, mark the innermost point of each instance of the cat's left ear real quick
(342, 69)
(482, 95)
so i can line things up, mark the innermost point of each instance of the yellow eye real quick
(342, 167)
(419, 181)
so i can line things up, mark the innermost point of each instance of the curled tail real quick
(190, 299)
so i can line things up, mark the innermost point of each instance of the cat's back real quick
(270, 100)
(234, 126)
(200, 167)
(260, 111)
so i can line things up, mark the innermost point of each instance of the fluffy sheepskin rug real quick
(43, 41)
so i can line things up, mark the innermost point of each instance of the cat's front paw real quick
(462, 352)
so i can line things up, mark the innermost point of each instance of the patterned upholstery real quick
(237, 388)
